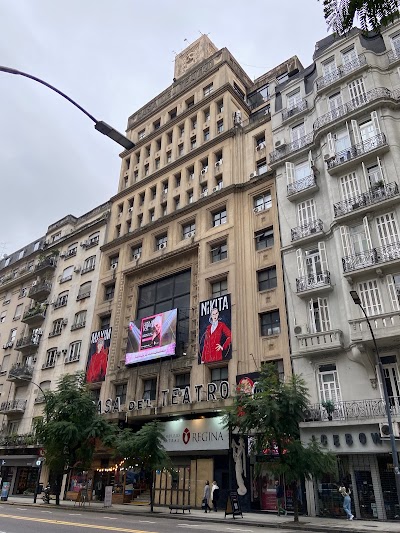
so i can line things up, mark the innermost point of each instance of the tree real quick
(70, 426)
(146, 446)
(271, 417)
(372, 14)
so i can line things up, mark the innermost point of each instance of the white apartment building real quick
(47, 295)
(336, 138)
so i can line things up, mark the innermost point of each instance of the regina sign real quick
(195, 435)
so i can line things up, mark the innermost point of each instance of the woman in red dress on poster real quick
(98, 363)
(213, 347)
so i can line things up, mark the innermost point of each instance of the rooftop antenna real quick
(201, 33)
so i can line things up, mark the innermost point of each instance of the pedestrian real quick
(346, 501)
(280, 498)
(215, 495)
(206, 497)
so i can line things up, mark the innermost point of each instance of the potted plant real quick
(329, 407)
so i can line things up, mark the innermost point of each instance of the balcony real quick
(295, 110)
(28, 439)
(301, 188)
(40, 291)
(13, 407)
(28, 344)
(317, 343)
(17, 277)
(341, 72)
(313, 283)
(48, 263)
(20, 373)
(288, 149)
(34, 316)
(307, 232)
(353, 105)
(353, 410)
(372, 197)
(371, 258)
(355, 152)
(385, 326)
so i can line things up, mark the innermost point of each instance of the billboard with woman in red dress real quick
(215, 334)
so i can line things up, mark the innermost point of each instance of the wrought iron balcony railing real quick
(355, 103)
(294, 110)
(308, 229)
(19, 440)
(357, 150)
(301, 185)
(44, 286)
(353, 410)
(20, 371)
(341, 71)
(373, 196)
(46, 263)
(313, 281)
(371, 257)
(37, 311)
(290, 148)
(13, 405)
(25, 342)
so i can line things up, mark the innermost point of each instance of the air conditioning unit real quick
(253, 174)
(204, 171)
(190, 234)
(215, 189)
(77, 269)
(63, 254)
(136, 257)
(35, 283)
(65, 321)
(279, 145)
(328, 157)
(84, 243)
(203, 194)
(130, 210)
(260, 146)
(384, 430)
(301, 330)
(162, 245)
(114, 266)
(218, 163)
(258, 209)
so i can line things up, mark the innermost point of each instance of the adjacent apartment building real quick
(47, 296)
(193, 228)
(336, 158)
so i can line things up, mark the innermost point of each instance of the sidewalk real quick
(255, 519)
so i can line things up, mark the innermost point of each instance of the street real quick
(21, 519)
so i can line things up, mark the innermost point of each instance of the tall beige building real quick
(194, 227)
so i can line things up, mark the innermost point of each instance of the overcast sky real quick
(111, 56)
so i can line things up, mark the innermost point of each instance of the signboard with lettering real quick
(215, 335)
(98, 355)
(233, 505)
(196, 434)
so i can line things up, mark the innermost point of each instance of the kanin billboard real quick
(215, 335)
(152, 337)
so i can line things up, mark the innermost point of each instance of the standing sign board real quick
(4, 491)
(233, 505)
(108, 496)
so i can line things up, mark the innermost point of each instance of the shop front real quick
(364, 464)
(21, 472)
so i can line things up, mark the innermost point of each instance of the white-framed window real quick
(263, 201)
(293, 99)
(319, 315)
(141, 134)
(349, 186)
(136, 250)
(67, 274)
(328, 381)
(80, 319)
(393, 285)
(89, 264)
(387, 228)
(3, 316)
(349, 56)
(312, 264)
(84, 290)
(219, 217)
(219, 288)
(72, 249)
(188, 230)
(62, 300)
(297, 132)
(74, 352)
(395, 42)
(57, 327)
(357, 91)
(335, 101)
(161, 242)
(374, 176)
(329, 67)
(18, 311)
(12, 335)
(51, 357)
(208, 89)
(370, 297)
(306, 212)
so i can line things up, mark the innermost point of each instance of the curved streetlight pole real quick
(379, 365)
(99, 125)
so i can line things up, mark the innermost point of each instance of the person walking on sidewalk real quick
(215, 495)
(280, 496)
(206, 497)
(346, 501)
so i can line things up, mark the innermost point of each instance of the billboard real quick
(98, 355)
(152, 337)
(215, 330)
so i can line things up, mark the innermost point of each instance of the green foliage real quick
(371, 14)
(70, 424)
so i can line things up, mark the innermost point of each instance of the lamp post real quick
(99, 125)
(45, 400)
(379, 365)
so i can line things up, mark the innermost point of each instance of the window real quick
(18, 312)
(105, 321)
(72, 249)
(370, 297)
(136, 251)
(149, 389)
(262, 202)
(293, 99)
(218, 375)
(109, 291)
(182, 380)
(157, 124)
(349, 186)
(193, 143)
(220, 106)
(208, 89)
(220, 126)
(120, 392)
(194, 123)
(56, 237)
(238, 90)
(206, 134)
(388, 231)
(306, 212)
(282, 77)
(74, 352)
(153, 193)
(141, 134)
(264, 238)
(136, 175)
(219, 252)
(169, 137)
(190, 197)
(12, 335)
(262, 166)
(375, 176)
(173, 113)
(84, 290)
(188, 230)
(219, 288)
(349, 56)
(158, 145)
(21, 254)
(207, 115)
(297, 133)
(328, 382)
(89, 264)
(190, 102)
(114, 261)
(165, 187)
(5, 364)
(334, 103)
(177, 180)
(79, 320)
(219, 218)
(141, 198)
(51, 357)
(319, 315)
(169, 158)
(180, 150)
(329, 68)
(146, 170)
(67, 274)
(181, 130)
(148, 151)
(164, 209)
(3, 316)
(140, 221)
(267, 279)
(95, 394)
(177, 202)
(270, 323)
(57, 327)
(62, 300)
(93, 240)
(36, 246)
(357, 91)
(152, 215)
(161, 242)
(157, 161)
